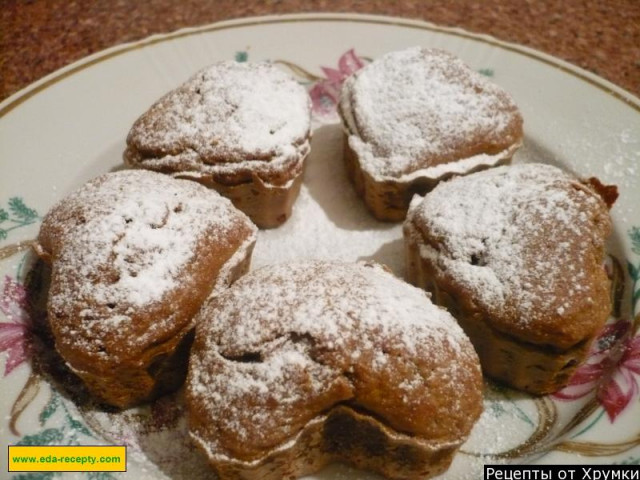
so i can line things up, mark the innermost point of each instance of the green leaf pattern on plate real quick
(18, 215)
(36, 476)
(48, 436)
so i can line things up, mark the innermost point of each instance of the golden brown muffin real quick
(516, 254)
(418, 116)
(301, 364)
(134, 255)
(240, 128)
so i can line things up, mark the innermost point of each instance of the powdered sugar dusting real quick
(127, 239)
(230, 115)
(415, 108)
(379, 300)
(506, 234)
(300, 335)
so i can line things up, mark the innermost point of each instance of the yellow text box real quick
(68, 458)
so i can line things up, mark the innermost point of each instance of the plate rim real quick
(608, 87)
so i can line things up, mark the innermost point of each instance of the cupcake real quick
(415, 117)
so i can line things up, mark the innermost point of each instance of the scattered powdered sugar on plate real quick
(492, 434)
(592, 145)
(329, 220)
(621, 166)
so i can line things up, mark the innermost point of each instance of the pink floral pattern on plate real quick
(611, 369)
(325, 94)
(613, 365)
(15, 334)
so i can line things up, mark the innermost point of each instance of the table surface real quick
(38, 37)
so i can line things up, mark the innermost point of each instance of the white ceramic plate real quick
(71, 126)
